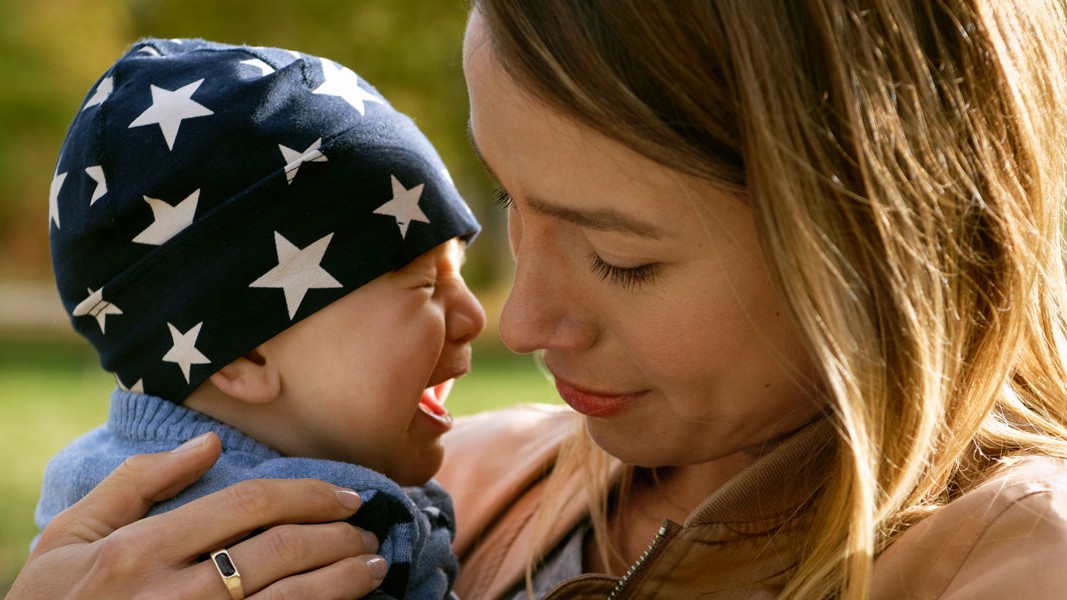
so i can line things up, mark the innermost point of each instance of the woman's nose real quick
(541, 312)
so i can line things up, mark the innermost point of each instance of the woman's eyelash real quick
(501, 198)
(630, 278)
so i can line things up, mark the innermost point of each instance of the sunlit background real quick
(52, 51)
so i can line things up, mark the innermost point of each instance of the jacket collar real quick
(770, 491)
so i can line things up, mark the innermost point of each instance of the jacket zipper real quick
(654, 547)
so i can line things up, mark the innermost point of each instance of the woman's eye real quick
(501, 198)
(630, 278)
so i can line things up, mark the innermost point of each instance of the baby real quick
(257, 244)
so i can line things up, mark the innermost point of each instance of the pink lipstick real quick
(595, 404)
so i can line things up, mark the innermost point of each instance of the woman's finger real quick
(350, 578)
(221, 518)
(127, 493)
(288, 550)
(93, 550)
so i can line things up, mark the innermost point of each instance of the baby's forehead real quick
(454, 249)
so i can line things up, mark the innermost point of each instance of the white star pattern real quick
(404, 206)
(264, 68)
(97, 175)
(225, 104)
(298, 271)
(138, 386)
(170, 108)
(168, 220)
(342, 82)
(53, 197)
(295, 158)
(96, 306)
(184, 352)
(103, 90)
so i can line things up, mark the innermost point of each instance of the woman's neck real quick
(654, 495)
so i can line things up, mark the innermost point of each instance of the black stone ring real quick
(231, 577)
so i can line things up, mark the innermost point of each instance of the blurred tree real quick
(51, 52)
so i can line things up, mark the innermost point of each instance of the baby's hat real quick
(209, 196)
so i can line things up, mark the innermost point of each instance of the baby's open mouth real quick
(433, 399)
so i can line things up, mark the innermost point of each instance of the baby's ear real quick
(250, 378)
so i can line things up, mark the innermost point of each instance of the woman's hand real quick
(99, 549)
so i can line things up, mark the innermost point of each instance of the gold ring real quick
(231, 577)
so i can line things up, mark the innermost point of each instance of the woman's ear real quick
(250, 378)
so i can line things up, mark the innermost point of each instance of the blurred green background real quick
(52, 51)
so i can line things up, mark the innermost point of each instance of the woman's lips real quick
(595, 404)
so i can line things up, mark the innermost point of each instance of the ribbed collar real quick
(140, 417)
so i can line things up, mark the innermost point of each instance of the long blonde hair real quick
(905, 161)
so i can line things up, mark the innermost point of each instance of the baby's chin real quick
(417, 470)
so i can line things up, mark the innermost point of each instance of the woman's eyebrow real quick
(600, 220)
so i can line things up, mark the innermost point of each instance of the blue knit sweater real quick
(415, 525)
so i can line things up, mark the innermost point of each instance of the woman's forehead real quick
(552, 164)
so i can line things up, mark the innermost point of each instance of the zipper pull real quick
(665, 532)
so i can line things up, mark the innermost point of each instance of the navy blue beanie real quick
(209, 196)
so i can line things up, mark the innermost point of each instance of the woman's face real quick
(645, 288)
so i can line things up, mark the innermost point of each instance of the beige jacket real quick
(1005, 539)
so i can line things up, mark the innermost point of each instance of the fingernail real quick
(349, 499)
(193, 443)
(370, 542)
(378, 567)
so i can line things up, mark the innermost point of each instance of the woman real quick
(900, 167)
(798, 265)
